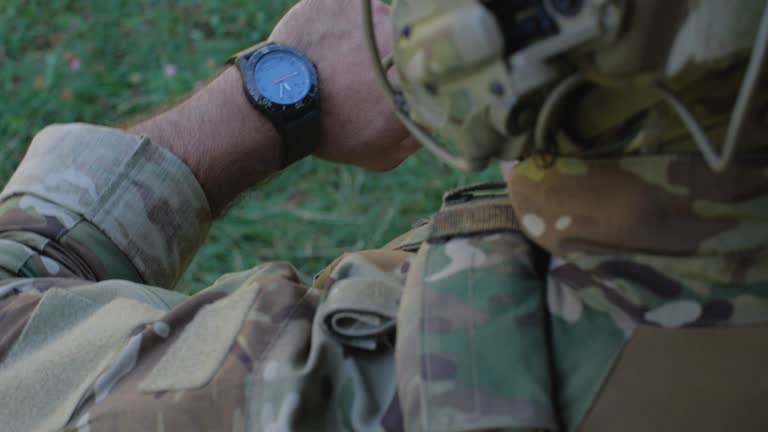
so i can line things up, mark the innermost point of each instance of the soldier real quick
(616, 282)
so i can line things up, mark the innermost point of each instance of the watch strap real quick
(300, 137)
(234, 59)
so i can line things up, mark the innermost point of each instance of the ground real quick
(109, 61)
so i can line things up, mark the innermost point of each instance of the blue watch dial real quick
(282, 78)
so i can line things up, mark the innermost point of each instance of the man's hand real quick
(358, 125)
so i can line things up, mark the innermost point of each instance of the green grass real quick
(104, 61)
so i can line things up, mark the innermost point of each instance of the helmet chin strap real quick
(380, 68)
(719, 162)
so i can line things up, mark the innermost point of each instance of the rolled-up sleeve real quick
(98, 203)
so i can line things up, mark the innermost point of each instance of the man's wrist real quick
(227, 144)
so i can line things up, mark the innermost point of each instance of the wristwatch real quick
(282, 83)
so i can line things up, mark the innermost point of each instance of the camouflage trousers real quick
(462, 324)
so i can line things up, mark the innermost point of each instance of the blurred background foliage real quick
(109, 61)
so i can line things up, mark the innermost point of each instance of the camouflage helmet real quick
(484, 79)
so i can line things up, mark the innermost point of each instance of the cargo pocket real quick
(472, 350)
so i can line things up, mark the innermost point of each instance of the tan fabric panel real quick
(68, 341)
(687, 380)
(196, 356)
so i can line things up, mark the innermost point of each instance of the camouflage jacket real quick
(507, 311)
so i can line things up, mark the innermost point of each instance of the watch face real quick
(282, 78)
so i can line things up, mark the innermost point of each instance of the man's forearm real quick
(227, 144)
(230, 146)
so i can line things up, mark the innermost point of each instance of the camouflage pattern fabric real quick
(464, 297)
(674, 246)
(491, 327)
(128, 190)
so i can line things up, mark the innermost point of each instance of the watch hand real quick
(281, 91)
(283, 78)
(287, 87)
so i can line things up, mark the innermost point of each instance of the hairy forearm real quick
(227, 144)
(230, 146)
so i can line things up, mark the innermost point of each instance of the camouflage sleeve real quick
(97, 203)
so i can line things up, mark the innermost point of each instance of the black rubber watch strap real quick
(300, 138)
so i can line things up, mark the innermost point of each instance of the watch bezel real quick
(268, 106)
